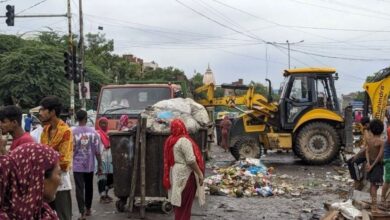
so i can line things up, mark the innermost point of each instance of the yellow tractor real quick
(307, 118)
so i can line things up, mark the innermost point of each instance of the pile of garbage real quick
(160, 114)
(248, 178)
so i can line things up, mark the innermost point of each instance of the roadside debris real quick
(357, 207)
(249, 177)
(245, 178)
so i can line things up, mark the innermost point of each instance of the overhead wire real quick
(338, 57)
(182, 40)
(340, 10)
(308, 53)
(285, 26)
(32, 6)
(219, 23)
(349, 6)
(300, 26)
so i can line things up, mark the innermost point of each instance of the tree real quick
(9, 43)
(164, 74)
(53, 39)
(32, 72)
(98, 51)
(195, 82)
(122, 70)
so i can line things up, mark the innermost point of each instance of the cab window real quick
(300, 90)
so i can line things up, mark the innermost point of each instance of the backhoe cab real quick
(307, 118)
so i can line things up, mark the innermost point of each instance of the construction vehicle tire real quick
(317, 143)
(246, 147)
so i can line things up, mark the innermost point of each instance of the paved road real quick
(108, 211)
(231, 208)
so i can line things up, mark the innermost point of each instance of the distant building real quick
(208, 76)
(133, 59)
(149, 66)
(230, 92)
(348, 99)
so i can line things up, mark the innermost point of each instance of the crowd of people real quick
(36, 170)
(42, 163)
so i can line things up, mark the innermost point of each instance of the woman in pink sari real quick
(30, 176)
(106, 180)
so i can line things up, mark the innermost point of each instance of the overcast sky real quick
(238, 38)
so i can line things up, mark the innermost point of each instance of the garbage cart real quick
(122, 150)
(123, 145)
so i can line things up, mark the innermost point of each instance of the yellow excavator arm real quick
(250, 99)
(378, 93)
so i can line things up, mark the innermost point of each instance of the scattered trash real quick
(347, 209)
(264, 191)
(296, 194)
(245, 178)
(285, 176)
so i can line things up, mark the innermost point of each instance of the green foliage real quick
(30, 73)
(53, 39)
(33, 68)
(195, 82)
(219, 92)
(164, 74)
(9, 43)
(360, 96)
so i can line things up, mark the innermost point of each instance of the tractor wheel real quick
(317, 143)
(245, 147)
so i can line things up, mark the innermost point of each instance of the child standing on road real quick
(386, 161)
(374, 155)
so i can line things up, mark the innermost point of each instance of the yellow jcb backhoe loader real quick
(307, 118)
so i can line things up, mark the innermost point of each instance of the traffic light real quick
(68, 62)
(76, 69)
(10, 14)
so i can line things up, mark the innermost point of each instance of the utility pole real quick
(81, 48)
(288, 48)
(70, 49)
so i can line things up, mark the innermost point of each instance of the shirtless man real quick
(374, 155)
(354, 163)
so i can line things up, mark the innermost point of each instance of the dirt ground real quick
(317, 184)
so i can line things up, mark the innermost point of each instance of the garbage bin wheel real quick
(120, 205)
(166, 207)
